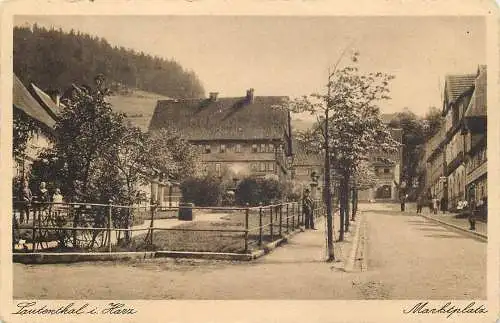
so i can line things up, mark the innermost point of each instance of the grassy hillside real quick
(138, 105)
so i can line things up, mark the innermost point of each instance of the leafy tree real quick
(168, 152)
(349, 127)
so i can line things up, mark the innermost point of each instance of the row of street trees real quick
(98, 156)
(348, 130)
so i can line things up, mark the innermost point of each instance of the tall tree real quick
(350, 125)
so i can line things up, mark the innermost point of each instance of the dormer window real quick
(238, 148)
(271, 148)
(254, 148)
(222, 148)
(208, 149)
(262, 148)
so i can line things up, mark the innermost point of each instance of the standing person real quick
(402, 201)
(472, 214)
(57, 199)
(419, 204)
(307, 208)
(27, 199)
(444, 205)
(434, 204)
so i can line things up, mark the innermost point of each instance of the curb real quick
(273, 245)
(55, 258)
(203, 255)
(474, 233)
(349, 263)
(70, 257)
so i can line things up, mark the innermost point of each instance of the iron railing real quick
(91, 227)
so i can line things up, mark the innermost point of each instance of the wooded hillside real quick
(53, 59)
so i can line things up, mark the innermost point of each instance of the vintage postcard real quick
(284, 161)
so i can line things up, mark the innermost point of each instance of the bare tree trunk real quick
(354, 203)
(342, 209)
(347, 208)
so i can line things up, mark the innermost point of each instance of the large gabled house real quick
(236, 136)
(35, 106)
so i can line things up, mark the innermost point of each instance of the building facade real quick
(237, 136)
(456, 155)
(387, 169)
(476, 180)
(457, 97)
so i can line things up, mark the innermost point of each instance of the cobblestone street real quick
(407, 257)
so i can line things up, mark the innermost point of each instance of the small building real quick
(387, 169)
(305, 165)
(236, 136)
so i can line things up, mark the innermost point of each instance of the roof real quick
(456, 85)
(226, 118)
(302, 157)
(24, 101)
(46, 101)
(478, 103)
(388, 117)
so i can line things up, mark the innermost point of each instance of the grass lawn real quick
(221, 241)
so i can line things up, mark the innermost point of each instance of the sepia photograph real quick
(225, 157)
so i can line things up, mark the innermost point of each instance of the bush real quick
(206, 191)
(256, 190)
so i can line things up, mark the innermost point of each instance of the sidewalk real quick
(310, 246)
(461, 223)
(447, 219)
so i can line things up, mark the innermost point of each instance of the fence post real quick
(247, 211)
(271, 224)
(260, 224)
(109, 226)
(151, 224)
(287, 215)
(75, 223)
(33, 228)
(281, 218)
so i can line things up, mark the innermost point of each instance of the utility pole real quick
(328, 193)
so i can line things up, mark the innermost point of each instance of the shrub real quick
(205, 191)
(256, 190)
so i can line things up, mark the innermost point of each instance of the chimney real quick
(250, 95)
(213, 96)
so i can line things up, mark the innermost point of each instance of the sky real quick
(291, 55)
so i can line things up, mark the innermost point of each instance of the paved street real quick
(408, 257)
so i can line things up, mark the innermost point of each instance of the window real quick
(270, 166)
(253, 166)
(205, 169)
(208, 149)
(387, 170)
(238, 148)
(271, 148)
(217, 169)
(222, 148)
(254, 148)
(262, 148)
(262, 167)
